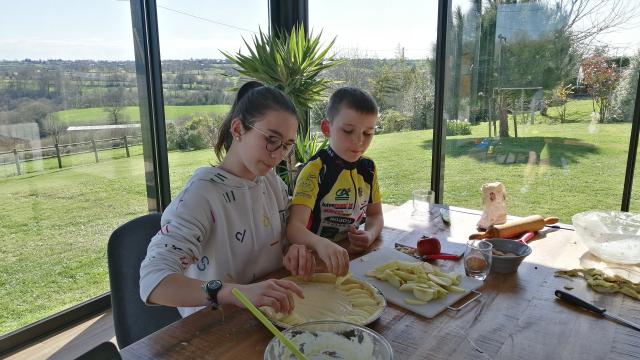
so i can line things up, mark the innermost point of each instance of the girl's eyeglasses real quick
(274, 142)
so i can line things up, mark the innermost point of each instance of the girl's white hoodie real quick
(219, 227)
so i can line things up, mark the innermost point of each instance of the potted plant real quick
(292, 63)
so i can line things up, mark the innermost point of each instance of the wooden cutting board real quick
(360, 266)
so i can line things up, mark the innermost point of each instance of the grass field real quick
(97, 116)
(54, 224)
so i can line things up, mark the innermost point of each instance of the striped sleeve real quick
(306, 189)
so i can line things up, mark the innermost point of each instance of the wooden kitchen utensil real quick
(515, 227)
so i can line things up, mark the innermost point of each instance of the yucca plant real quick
(307, 147)
(291, 63)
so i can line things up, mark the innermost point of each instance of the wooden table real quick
(517, 316)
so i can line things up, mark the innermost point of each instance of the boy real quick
(338, 186)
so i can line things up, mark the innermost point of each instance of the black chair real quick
(105, 351)
(127, 247)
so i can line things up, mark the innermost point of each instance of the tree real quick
(624, 96)
(562, 93)
(418, 99)
(384, 85)
(458, 23)
(53, 127)
(115, 105)
(589, 18)
(600, 78)
(35, 111)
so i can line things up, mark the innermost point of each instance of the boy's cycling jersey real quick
(337, 192)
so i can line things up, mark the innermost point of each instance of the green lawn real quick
(97, 116)
(577, 111)
(54, 224)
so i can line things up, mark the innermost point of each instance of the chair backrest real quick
(127, 247)
(105, 351)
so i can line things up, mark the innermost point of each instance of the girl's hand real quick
(359, 239)
(334, 256)
(300, 261)
(278, 294)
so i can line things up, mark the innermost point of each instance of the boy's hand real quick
(300, 261)
(334, 256)
(359, 239)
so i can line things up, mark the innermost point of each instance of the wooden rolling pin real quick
(514, 228)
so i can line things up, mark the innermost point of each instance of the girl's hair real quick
(253, 100)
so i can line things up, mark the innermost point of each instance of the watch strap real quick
(212, 296)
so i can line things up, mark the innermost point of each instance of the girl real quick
(226, 227)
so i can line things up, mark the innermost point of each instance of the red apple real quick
(428, 246)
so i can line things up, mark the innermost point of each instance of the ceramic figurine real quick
(494, 201)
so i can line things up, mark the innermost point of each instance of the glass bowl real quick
(613, 236)
(331, 340)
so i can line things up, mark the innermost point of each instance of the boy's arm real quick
(334, 256)
(361, 239)
(297, 232)
(375, 221)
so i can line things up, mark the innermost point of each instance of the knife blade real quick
(574, 300)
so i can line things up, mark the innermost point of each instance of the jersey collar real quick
(340, 161)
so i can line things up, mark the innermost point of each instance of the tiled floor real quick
(71, 342)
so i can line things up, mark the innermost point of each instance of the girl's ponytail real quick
(224, 132)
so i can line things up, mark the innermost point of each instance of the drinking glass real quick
(422, 200)
(477, 259)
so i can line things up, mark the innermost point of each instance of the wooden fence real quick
(49, 152)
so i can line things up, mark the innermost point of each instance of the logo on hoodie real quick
(229, 196)
(240, 235)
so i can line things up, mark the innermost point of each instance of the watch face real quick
(214, 285)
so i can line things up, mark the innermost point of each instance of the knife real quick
(574, 300)
(411, 251)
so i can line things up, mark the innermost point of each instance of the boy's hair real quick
(353, 98)
(253, 100)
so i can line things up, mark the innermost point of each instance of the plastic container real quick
(331, 340)
(505, 264)
(613, 236)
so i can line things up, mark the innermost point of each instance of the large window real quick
(198, 81)
(71, 168)
(626, 99)
(530, 101)
(389, 52)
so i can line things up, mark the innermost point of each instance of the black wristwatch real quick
(212, 288)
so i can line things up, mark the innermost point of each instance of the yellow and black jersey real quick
(337, 192)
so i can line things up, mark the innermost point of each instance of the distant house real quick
(8, 143)
(24, 135)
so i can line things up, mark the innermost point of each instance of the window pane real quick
(626, 99)
(197, 78)
(71, 165)
(389, 52)
(529, 104)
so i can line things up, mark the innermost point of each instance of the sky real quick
(101, 29)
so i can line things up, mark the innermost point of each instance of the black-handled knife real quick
(574, 300)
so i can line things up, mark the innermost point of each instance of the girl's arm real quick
(334, 256)
(179, 290)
